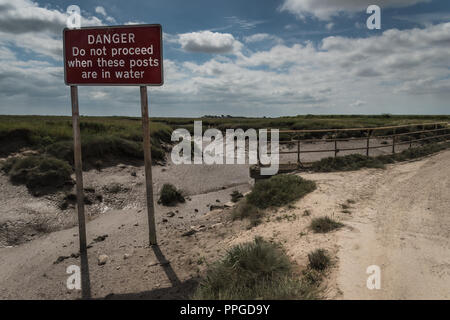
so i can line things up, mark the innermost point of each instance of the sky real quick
(241, 57)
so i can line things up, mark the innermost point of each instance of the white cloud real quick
(209, 42)
(100, 10)
(358, 103)
(26, 25)
(391, 71)
(129, 23)
(329, 26)
(242, 23)
(325, 9)
(258, 37)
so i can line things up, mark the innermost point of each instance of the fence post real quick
(393, 142)
(257, 150)
(368, 142)
(298, 150)
(335, 144)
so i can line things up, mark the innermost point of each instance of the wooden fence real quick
(399, 135)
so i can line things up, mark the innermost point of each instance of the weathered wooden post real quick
(393, 142)
(368, 142)
(85, 279)
(148, 167)
(335, 144)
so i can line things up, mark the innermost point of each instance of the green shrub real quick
(324, 224)
(279, 190)
(170, 196)
(253, 270)
(319, 259)
(38, 171)
(62, 150)
(346, 163)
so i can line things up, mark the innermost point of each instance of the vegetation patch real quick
(279, 190)
(38, 172)
(274, 192)
(245, 210)
(254, 270)
(102, 137)
(319, 259)
(170, 196)
(346, 163)
(324, 224)
(358, 161)
(115, 188)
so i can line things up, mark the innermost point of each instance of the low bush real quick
(170, 196)
(324, 224)
(254, 270)
(319, 259)
(279, 190)
(38, 171)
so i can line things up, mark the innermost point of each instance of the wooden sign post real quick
(85, 282)
(148, 167)
(112, 56)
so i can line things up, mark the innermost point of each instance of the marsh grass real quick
(254, 270)
(319, 259)
(324, 224)
(101, 137)
(357, 161)
(170, 196)
(275, 192)
(279, 190)
(37, 172)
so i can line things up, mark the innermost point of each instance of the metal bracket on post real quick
(85, 281)
(148, 167)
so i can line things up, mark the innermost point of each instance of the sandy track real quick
(401, 224)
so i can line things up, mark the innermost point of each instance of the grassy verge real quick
(254, 270)
(275, 192)
(38, 173)
(102, 137)
(357, 161)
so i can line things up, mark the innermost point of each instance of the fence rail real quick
(440, 130)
